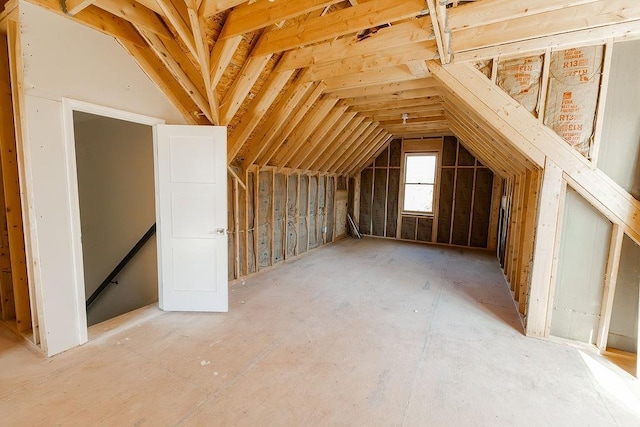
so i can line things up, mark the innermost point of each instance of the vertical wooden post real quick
(610, 280)
(272, 217)
(10, 142)
(528, 238)
(602, 96)
(541, 286)
(256, 216)
(308, 210)
(246, 222)
(496, 199)
(285, 216)
(473, 201)
(236, 226)
(455, 187)
(297, 215)
(356, 199)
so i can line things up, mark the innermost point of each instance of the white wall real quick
(114, 160)
(65, 59)
(623, 330)
(620, 147)
(584, 246)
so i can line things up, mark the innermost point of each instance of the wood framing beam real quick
(310, 144)
(541, 286)
(363, 151)
(166, 82)
(493, 145)
(412, 54)
(98, 19)
(490, 11)
(12, 133)
(274, 123)
(437, 23)
(587, 37)
(256, 111)
(300, 137)
(319, 151)
(351, 144)
(387, 91)
(345, 21)
(72, 7)
(356, 148)
(406, 33)
(135, 13)
(241, 86)
(221, 56)
(610, 281)
(177, 14)
(292, 123)
(181, 68)
(373, 153)
(254, 16)
(384, 140)
(500, 112)
(369, 78)
(204, 60)
(418, 104)
(565, 20)
(213, 7)
(329, 154)
(355, 129)
(10, 187)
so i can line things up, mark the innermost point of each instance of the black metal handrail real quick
(109, 280)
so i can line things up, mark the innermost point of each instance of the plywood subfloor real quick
(364, 332)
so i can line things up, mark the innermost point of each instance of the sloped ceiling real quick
(322, 85)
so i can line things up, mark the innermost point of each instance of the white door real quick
(191, 215)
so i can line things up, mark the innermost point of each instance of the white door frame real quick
(68, 107)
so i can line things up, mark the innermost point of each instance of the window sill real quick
(417, 214)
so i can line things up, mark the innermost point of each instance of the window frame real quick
(436, 176)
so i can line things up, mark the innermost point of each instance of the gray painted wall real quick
(117, 206)
(620, 147)
(623, 330)
(584, 246)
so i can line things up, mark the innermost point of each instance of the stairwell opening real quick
(116, 192)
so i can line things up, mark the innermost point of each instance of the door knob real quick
(220, 231)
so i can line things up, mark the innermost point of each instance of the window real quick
(419, 182)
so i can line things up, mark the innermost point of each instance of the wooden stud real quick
(602, 97)
(98, 19)
(610, 280)
(135, 13)
(299, 138)
(249, 16)
(496, 199)
(11, 152)
(319, 151)
(401, 34)
(176, 61)
(337, 144)
(292, 122)
(258, 108)
(339, 23)
(204, 61)
(241, 86)
(213, 7)
(176, 13)
(541, 286)
(271, 129)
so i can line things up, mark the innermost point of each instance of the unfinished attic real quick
(398, 194)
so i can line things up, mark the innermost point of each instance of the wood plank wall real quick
(277, 215)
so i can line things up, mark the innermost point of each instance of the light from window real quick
(419, 182)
